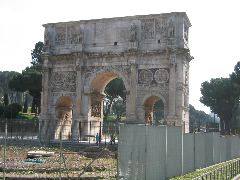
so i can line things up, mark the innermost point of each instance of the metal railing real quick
(225, 172)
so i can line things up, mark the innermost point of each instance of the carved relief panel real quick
(148, 29)
(161, 27)
(153, 76)
(96, 107)
(63, 81)
(74, 35)
(60, 35)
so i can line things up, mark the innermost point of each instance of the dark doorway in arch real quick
(158, 112)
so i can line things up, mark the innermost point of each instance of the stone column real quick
(172, 89)
(132, 95)
(180, 92)
(44, 117)
(77, 107)
(45, 85)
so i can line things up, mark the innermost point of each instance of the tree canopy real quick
(31, 78)
(115, 90)
(5, 77)
(37, 53)
(218, 94)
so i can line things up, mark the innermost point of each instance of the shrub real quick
(12, 110)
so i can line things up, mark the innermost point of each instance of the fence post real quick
(60, 169)
(194, 150)
(100, 133)
(4, 150)
(80, 128)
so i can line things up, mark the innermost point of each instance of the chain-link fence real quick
(23, 155)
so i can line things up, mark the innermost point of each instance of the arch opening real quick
(107, 102)
(63, 111)
(154, 110)
(107, 88)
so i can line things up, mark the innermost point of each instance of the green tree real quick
(1, 110)
(25, 106)
(235, 78)
(31, 78)
(37, 54)
(158, 111)
(5, 77)
(114, 90)
(12, 110)
(218, 94)
(5, 100)
(33, 82)
(119, 108)
(198, 118)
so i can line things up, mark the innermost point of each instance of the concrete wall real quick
(160, 152)
(188, 153)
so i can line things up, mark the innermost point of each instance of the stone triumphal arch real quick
(149, 53)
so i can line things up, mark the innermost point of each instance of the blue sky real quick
(214, 36)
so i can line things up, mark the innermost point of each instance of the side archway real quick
(63, 111)
(154, 109)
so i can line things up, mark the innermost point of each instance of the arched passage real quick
(96, 96)
(64, 117)
(97, 87)
(154, 110)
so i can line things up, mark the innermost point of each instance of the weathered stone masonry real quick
(150, 53)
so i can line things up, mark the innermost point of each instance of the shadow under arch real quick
(149, 109)
(63, 111)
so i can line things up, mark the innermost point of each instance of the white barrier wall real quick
(174, 151)
(216, 148)
(160, 152)
(188, 153)
(131, 149)
(156, 153)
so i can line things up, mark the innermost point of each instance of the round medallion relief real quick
(145, 76)
(161, 76)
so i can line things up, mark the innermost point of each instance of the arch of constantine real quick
(149, 53)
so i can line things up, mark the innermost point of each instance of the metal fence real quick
(71, 159)
(224, 172)
(19, 129)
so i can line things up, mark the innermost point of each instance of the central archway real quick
(97, 97)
